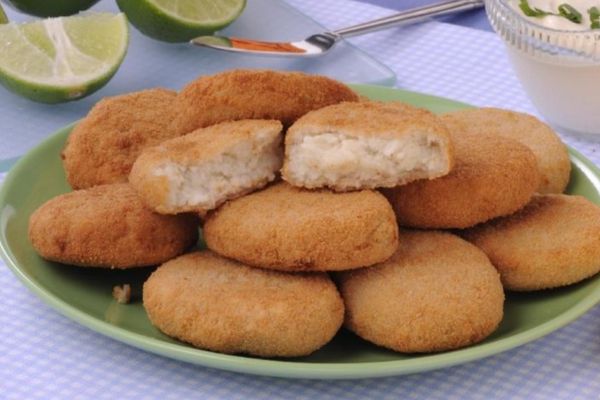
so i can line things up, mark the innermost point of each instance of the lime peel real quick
(209, 16)
(180, 20)
(51, 8)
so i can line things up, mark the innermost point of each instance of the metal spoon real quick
(322, 42)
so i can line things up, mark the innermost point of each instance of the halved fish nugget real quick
(292, 229)
(103, 146)
(255, 94)
(108, 226)
(437, 292)
(201, 170)
(221, 305)
(492, 176)
(550, 152)
(554, 241)
(366, 145)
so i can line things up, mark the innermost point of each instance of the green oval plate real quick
(85, 295)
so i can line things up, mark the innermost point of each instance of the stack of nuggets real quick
(550, 241)
(263, 287)
(327, 217)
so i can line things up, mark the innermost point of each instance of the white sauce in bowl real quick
(557, 21)
(568, 95)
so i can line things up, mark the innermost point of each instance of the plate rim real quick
(284, 368)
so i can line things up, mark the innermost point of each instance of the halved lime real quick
(181, 20)
(51, 8)
(62, 59)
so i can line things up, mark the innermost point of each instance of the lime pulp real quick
(62, 59)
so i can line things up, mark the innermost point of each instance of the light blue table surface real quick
(44, 355)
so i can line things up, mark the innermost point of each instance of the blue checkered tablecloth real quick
(43, 355)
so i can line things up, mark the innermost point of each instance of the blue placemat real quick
(46, 356)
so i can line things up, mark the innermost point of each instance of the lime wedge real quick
(51, 8)
(181, 20)
(3, 17)
(62, 59)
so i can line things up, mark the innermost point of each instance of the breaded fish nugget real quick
(436, 293)
(492, 176)
(103, 146)
(221, 305)
(108, 226)
(551, 153)
(554, 241)
(201, 170)
(366, 145)
(287, 228)
(255, 94)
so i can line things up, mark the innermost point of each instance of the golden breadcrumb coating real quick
(551, 153)
(369, 118)
(554, 241)
(108, 226)
(103, 146)
(255, 94)
(287, 228)
(436, 293)
(221, 305)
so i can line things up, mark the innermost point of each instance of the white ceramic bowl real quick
(559, 69)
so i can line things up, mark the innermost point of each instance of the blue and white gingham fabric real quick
(45, 356)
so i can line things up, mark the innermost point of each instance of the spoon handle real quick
(410, 16)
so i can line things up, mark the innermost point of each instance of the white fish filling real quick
(207, 184)
(336, 159)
